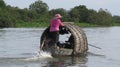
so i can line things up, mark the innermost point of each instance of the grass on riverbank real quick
(116, 24)
(31, 24)
(34, 24)
(86, 25)
(95, 25)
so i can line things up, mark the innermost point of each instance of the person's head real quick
(58, 16)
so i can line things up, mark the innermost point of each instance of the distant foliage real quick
(79, 13)
(39, 7)
(2, 4)
(39, 13)
(116, 19)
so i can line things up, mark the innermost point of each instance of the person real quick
(55, 24)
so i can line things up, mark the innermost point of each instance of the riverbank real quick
(44, 24)
(31, 24)
(95, 25)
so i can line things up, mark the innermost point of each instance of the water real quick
(19, 48)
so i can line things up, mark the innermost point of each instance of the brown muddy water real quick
(19, 48)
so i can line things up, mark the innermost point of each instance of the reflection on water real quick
(18, 48)
(69, 61)
(46, 62)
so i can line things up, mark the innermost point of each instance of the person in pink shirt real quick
(55, 24)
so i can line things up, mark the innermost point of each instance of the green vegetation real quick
(39, 15)
(31, 24)
(86, 24)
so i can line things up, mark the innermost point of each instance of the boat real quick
(76, 45)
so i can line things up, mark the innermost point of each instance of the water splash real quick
(40, 55)
(44, 54)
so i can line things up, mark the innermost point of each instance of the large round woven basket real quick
(76, 45)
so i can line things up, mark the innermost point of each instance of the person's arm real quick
(61, 24)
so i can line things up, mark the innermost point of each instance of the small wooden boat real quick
(75, 45)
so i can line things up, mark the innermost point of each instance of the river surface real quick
(19, 48)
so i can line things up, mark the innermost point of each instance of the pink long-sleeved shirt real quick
(55, 24)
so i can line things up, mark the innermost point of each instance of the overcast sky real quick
(111, 5)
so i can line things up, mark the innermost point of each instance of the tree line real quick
(39, 13)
